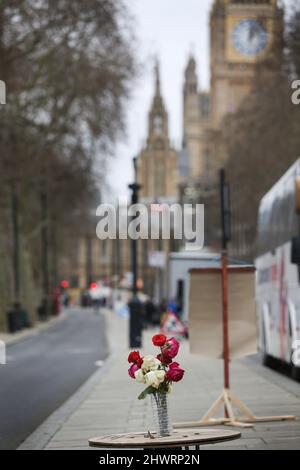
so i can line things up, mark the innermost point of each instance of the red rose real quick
(175, 373)
(163, 359)
(139, 362)
(170, 348)
(159, 339)
(134, 358)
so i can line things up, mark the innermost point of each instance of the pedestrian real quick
(172, 306)
(149, 312)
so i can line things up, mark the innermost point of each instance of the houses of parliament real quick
(242, 32)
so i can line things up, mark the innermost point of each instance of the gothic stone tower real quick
(242, 33)
(158, 176)
(157, 162)
(196, 122)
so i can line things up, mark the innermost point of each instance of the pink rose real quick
(132, 370)
(175, 373)
(173, 364)
(170, 348)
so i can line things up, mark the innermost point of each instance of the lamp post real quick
(226, 235)
(135, 307)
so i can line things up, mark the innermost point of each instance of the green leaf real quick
(163, 388)
(146, 392)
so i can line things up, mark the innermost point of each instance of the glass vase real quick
(161, 418)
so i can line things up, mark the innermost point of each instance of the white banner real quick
(206, 312)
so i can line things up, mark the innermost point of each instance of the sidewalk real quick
(111, 405)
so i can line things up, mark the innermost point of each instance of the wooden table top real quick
(179, 438)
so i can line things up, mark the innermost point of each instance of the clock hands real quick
(253, 31)
(250, 37)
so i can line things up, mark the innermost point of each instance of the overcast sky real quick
(169, 29)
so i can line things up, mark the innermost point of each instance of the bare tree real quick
(68, 68)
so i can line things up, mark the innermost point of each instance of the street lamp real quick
(135, 306)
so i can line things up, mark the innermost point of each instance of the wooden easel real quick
(227, 398)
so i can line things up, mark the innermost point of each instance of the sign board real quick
(157, 259)
(172, 325)
(206, 314)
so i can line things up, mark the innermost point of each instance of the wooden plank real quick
(231, 269)
(214, 407)
(265, 419)
(240, 405)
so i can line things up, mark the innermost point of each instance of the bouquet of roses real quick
(159, 372)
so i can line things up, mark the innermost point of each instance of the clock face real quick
(250, 37)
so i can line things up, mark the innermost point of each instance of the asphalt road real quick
(46, 369)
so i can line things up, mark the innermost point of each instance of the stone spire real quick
(158, 117)
(191, 80)
(157, 78)
(158, 103)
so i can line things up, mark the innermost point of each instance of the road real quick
(44, 370)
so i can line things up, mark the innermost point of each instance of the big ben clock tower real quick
(242, 33)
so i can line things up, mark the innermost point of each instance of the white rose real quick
(150, 363)
(139, 376)
(160, 374)
(154, 378)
